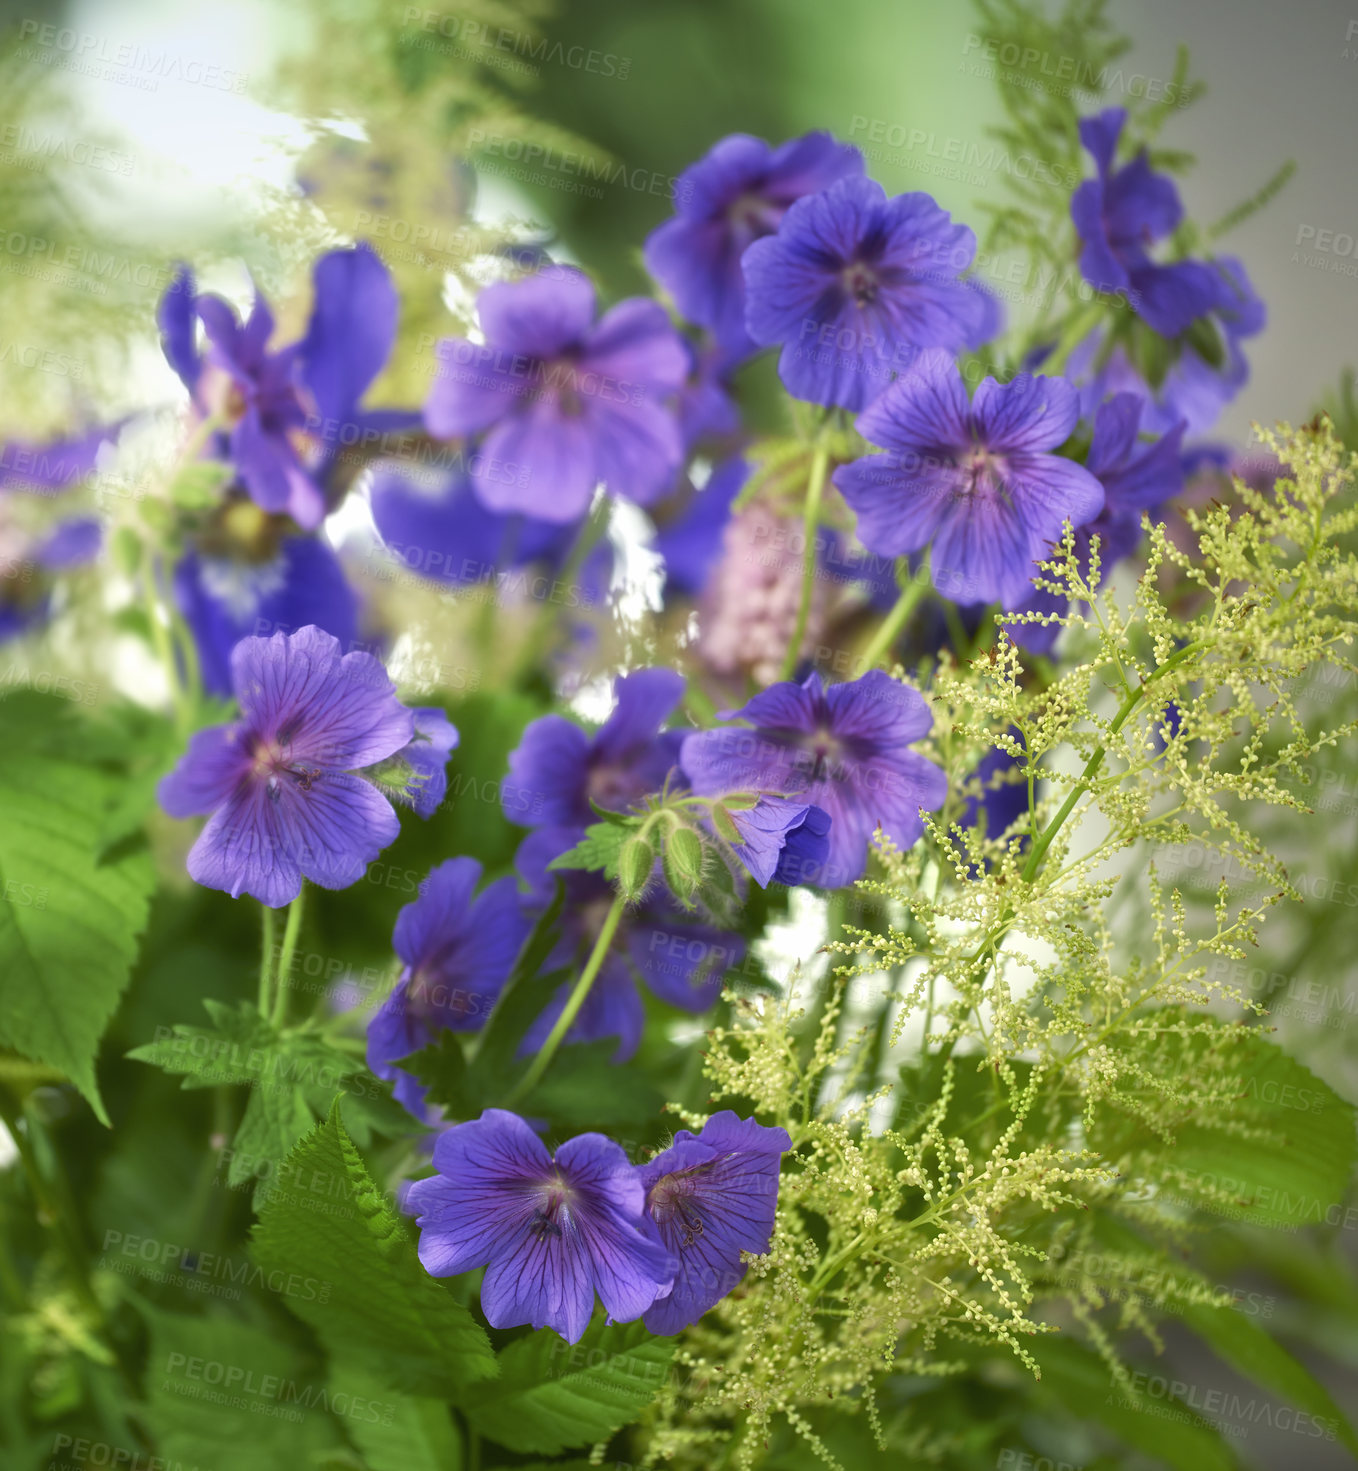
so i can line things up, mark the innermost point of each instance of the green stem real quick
(290, 932)
(888, 632)
(574, 1002)
(1129, 704)
(1077, 329)
(815, 489)
(270, 929)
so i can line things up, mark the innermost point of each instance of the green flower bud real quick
(635, 862)
(683, 862)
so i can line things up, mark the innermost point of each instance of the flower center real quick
(752, 216)
(556, 1197)
(861, 283)
(270, 763)
(673, 1200)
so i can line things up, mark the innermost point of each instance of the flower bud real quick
(635, 862)
(683, 862)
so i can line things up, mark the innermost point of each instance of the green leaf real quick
(598, 849)
(584, 1086)
(1283, 1147)
(1164, 1428)
(552, 1395)
(394, 1432)
(68, 923)
(1240, 1342)
(292, 1076)
(222, 1394)
(442, 1069)
(386, 1316)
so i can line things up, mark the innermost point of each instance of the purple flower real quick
(680, 960)
(735, 195)
(783, 842)
(249, 573)
(458, 952)
(1118, 215)
(844, 749)
(418, 773)
(854, 284)
(691, 543)
(1136, 477)
(1002, 801)
(28, 564)
(975, 480)
(280, 786)
(705, 406)
(439, 529)
(551, 1231)
(557, 770)
(711, 1195)
(564, 403)
(40, 468)
(287, 413)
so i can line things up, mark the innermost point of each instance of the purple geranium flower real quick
(557, 770)
(280, 786)
(854, 284)
(735, 195)
(977, 481)
(711, 1195)
(551, 1231)
(844, 749)
(569, 403)
(681, 960)
(705, 407)
(438, 528)
(41, 468)
(28, 564)
(782, 842)
(1118, 215)
(286, 414)
(1136, 477)
(250, 573)
(458, 948)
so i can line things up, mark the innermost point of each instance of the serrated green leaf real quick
(1240, 1342)
(552, 1395)
(385, 1317)
(292, 1076)
(598, 850)
(68, 924)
